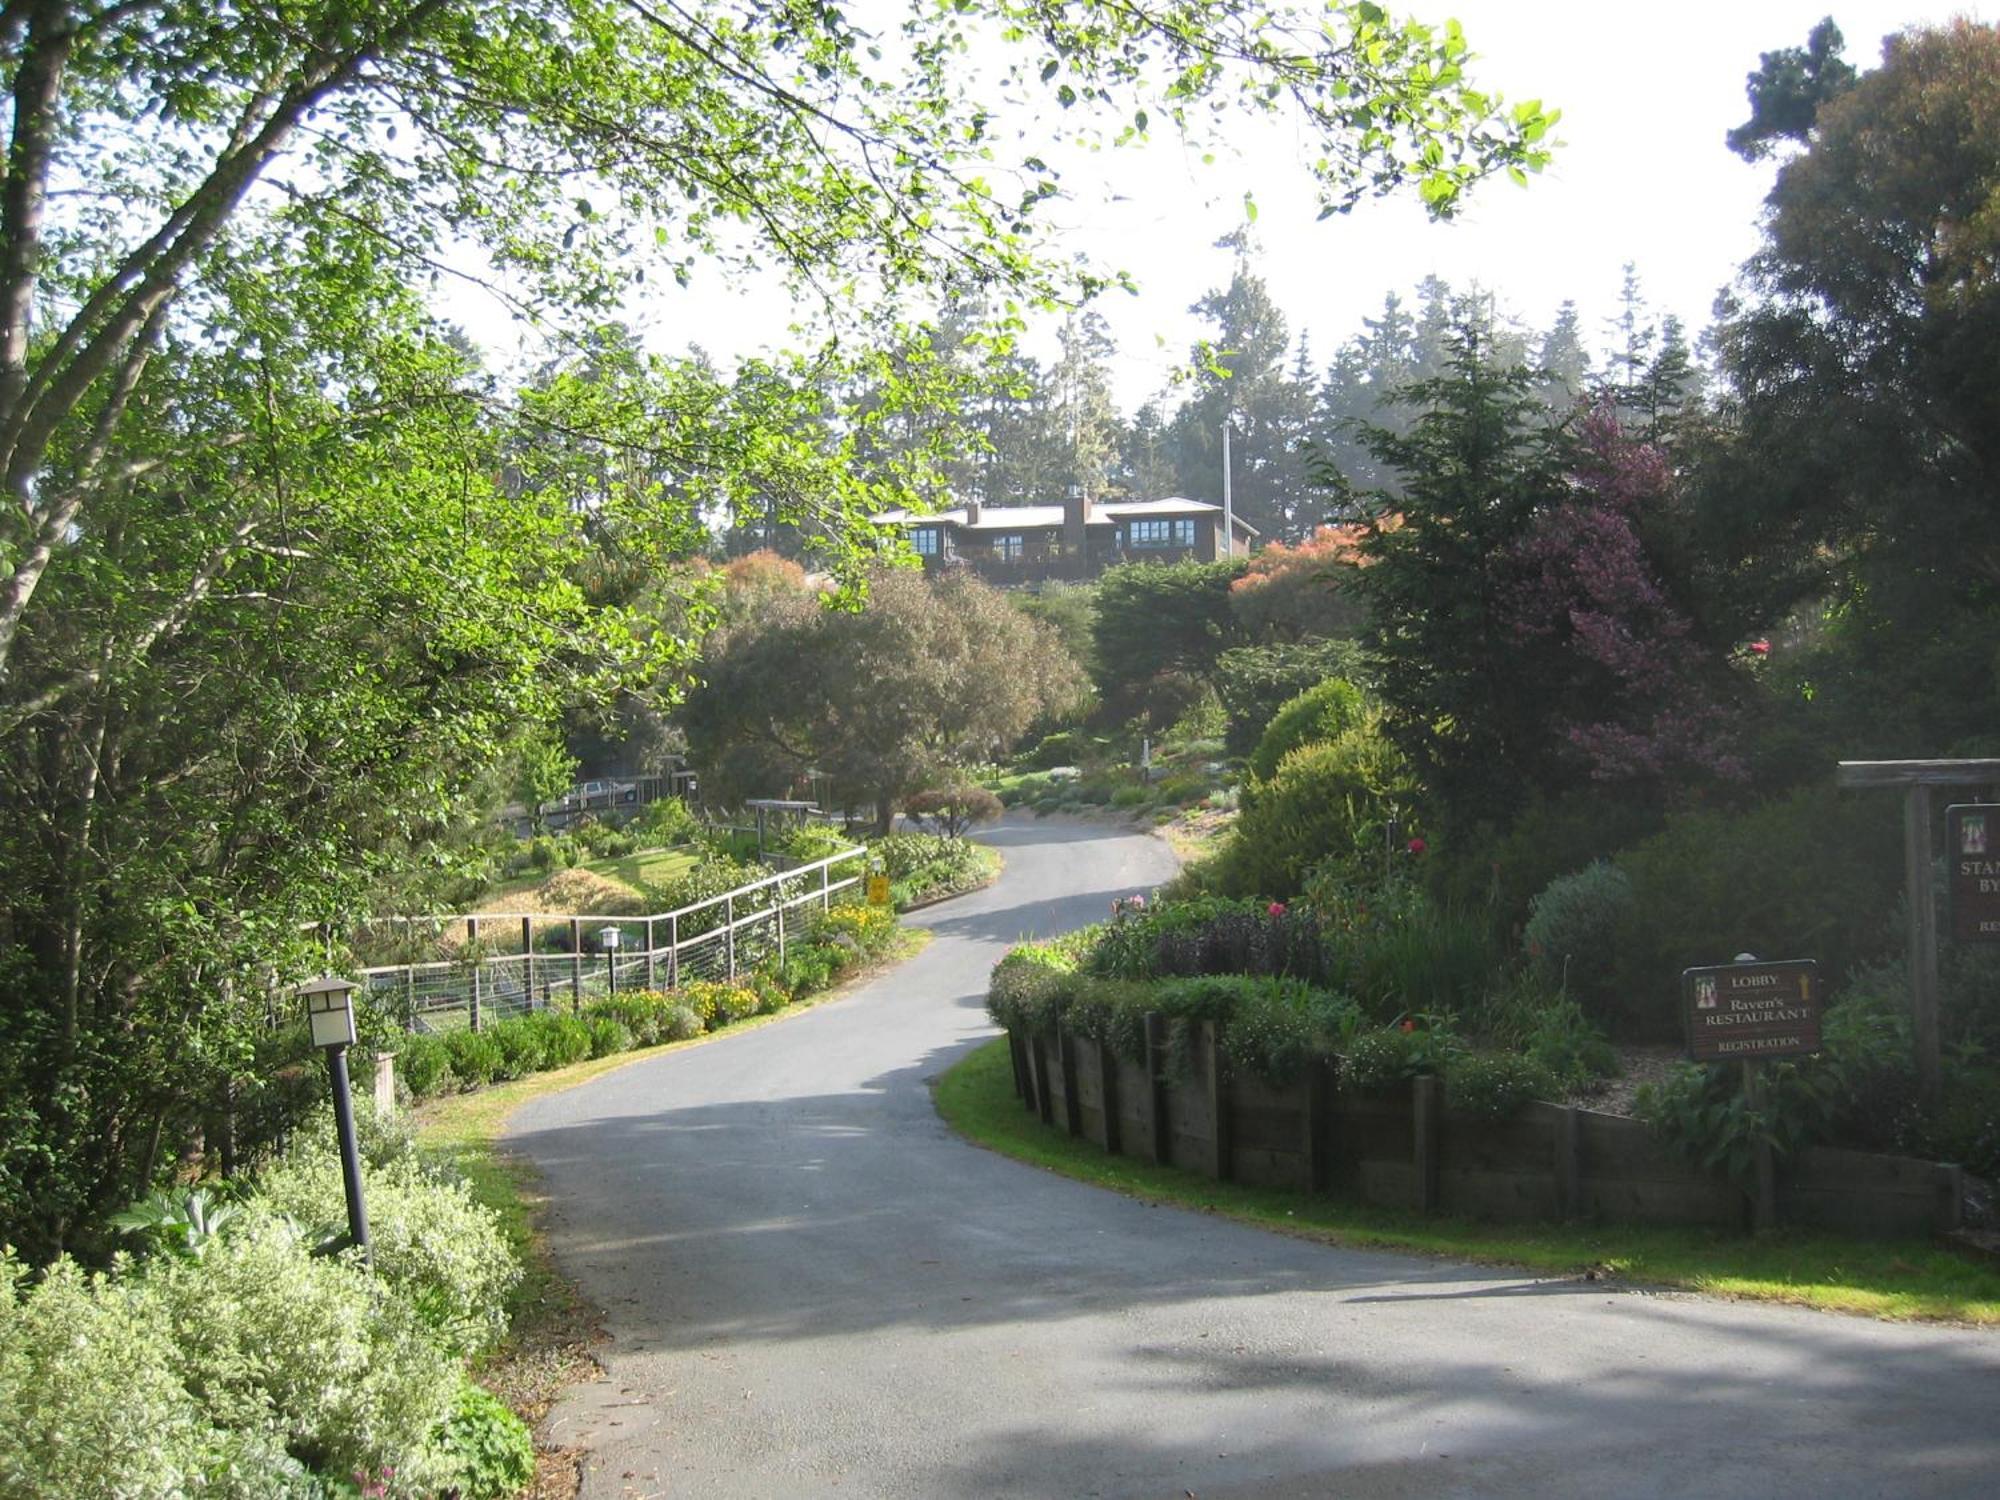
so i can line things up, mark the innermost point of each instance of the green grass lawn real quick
(644, 867)
(1905, 1280)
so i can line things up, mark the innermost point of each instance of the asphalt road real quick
(813, 1288)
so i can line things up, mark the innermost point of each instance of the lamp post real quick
(609, 939)
(330, 1008)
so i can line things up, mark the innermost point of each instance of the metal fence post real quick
(673, 950)
(729, 927)
(781, 930)
(576, 959)
(649, 953)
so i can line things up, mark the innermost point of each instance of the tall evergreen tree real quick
(1476, 466)
(1243, 381)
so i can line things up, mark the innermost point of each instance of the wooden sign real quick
(1741, 1012)
(1972, 858)
(878, 890)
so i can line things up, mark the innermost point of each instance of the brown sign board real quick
(1972, 864)
(1741, 1012)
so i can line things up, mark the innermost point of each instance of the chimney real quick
(972, 512)
(1075, 508)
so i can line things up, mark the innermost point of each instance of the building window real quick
(1008, 548)
(925, 540)
(1140, 534)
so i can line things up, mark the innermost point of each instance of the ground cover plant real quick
(242, 1359)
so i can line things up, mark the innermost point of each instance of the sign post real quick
(1972, 863)
(1744, 1011)
(1916, 779)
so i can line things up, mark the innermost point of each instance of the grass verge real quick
(552, 1327)
(1898, 1280)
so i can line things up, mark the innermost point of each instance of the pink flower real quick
(1417, 846)
(1409, 1026)
(1760, 648)
(1275, 909)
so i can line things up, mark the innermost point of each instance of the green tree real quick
(931, 677)
(1787, 90)
(1160, 631)
(1242, 381)
(1864, 466)
(1475, 467)
(417, 123)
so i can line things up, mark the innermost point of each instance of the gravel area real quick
(1637, 1065)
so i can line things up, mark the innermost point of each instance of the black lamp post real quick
(330, 1008)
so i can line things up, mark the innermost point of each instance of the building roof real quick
(1032, 517)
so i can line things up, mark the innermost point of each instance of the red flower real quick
(1409, 1026)
(1760, 648)
(1417, 846)
(1275, 909)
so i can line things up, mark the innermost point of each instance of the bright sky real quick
(1646, 91)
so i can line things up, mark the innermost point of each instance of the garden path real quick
(813, 1288)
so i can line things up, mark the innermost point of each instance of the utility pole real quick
(1228, 505)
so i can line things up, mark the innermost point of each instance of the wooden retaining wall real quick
(1404, 1147)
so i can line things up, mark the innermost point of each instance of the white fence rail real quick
(548, 967)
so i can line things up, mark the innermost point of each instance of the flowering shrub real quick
(871, 928)
(1492, 1086)
(439, 1250)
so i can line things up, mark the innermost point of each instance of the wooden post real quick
(1923, 943)
(649, 953)
(1763, 1195)
(1951, 1184)
(1014, 1063)
(528, 959)
(1425, 1117)
(1218, 1102)
(1038, 1053)
(1917, 778)
(1107, 1096)
(825, 886)
(1066, 1055)
(472, 952)
(1312, 1136)
(780, 909)
(1156, 1076)
(1569, 1164)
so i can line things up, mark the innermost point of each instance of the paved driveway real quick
(814, 1289)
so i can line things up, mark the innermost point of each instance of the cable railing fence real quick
(510, 963)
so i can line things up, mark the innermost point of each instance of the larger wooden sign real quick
(1741, 1012)
(1972, 858)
